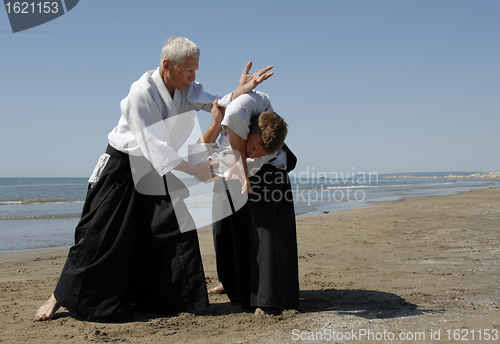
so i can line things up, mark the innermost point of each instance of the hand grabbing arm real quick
(213, 131)
(202, 172)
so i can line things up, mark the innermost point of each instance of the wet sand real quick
(421, 268)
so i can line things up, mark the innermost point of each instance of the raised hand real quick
(249, 81)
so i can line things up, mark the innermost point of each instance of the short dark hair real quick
(272, 129)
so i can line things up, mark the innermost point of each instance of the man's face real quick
(254, 147)
(181, 76)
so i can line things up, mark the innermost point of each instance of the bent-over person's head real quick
(267, 134)
(179, 62)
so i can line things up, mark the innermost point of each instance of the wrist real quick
(185, 167)
(236, 93)
(215, 126)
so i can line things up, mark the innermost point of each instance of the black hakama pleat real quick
(232, 246)
(129, 253)
(256, 247)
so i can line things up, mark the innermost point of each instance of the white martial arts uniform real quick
(237, 117)
(154, 125)
(254, 234)
(135, 244)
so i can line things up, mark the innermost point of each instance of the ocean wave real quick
(43, 185)
(39, 217)
(42, 201)
(10, 202)
(382, 186)
(367, 186)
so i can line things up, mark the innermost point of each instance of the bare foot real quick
(47, 310)
(259, 311)
(217, 290)
(265, 311)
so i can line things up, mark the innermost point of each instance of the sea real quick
(41, 213)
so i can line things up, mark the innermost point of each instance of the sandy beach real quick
(423, 269)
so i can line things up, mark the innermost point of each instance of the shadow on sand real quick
(369, 304)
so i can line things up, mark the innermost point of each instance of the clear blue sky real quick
(365, 86)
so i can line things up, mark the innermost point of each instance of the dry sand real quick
(415, 268)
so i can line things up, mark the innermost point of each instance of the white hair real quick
(177, 48)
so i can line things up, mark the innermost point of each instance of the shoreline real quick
(423, 264)
(363, 205)
(491, 175)
(27, 233)
(323, 209)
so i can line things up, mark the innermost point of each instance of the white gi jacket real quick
(237, 117)
(154, 125)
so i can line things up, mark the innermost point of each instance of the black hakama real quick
(130, 253)
(256, 247)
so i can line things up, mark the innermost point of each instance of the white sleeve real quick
(148, 127)
(224, 101)
(202, 100)
(242, 109)
(238, 114)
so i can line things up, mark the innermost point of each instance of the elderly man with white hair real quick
(136, 248)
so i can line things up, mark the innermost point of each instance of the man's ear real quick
(166, 64)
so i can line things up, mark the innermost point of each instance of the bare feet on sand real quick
(47, 310)
(217, 290)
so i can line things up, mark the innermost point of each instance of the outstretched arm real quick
(202, 172)
(249, 81)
